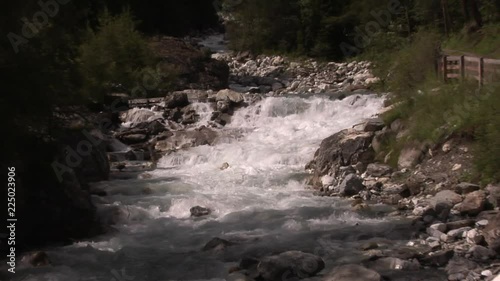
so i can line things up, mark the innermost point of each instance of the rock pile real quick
(280, 75)
(458, 222)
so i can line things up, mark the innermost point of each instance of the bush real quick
(113, 56)
(404, 75)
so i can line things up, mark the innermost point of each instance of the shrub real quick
(114, 55)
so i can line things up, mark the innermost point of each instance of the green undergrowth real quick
(433, 111)
(484, 42)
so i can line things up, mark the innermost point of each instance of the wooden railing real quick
(484, 70)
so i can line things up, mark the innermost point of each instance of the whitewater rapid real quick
(260, 202)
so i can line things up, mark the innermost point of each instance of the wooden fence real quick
(484, 70)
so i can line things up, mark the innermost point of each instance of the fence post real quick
(462, 67)
(481, 71)
(445, 68)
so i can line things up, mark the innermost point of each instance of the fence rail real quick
(484, 70)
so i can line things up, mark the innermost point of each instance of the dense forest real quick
(335, 29)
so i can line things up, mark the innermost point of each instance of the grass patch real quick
(484, 42)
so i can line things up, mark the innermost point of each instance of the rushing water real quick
(260, 202)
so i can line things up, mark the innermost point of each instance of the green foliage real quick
(485, 42)
(487, 122)
(115, 54)
(404, 75)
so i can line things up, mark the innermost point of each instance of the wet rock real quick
(290, 264)
(369, 246)
(390, 263)
(352, 272)
(473, 204)
(378, 170)
(176, 99)
(229, 95)
(351, 185)
(217, 244)
(224, 166)
(37, 259)
(198, 211)
(134, 138)
(345, 148)
(374, 124)
(439, 258)
(465, 187)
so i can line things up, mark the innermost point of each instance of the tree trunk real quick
(476, 14)
(446, 17)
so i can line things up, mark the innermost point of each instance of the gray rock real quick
(439, 258)
(390, 263)
(473, 204)
(492, 234)
(480, 253)
(458, 232)
(177, 99)
(473, 237)
(459, 224)
(493, 195)
(439, 226)
(229, 95)
(276, 86)
(217, 244)
(460, 265)
(378, 170)
(341, 149)
(352, 272)
(443, 201)
(351, 185)
(465, 187)
(133, 138)
(198, 211)
(410, 156)
(37, 259)
(374, 124)
(290, 264)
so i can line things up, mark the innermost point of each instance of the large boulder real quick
(473, 204)
(444, 201)
(290, 264)
(347, 147)
(352, 272)
(177, 99)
